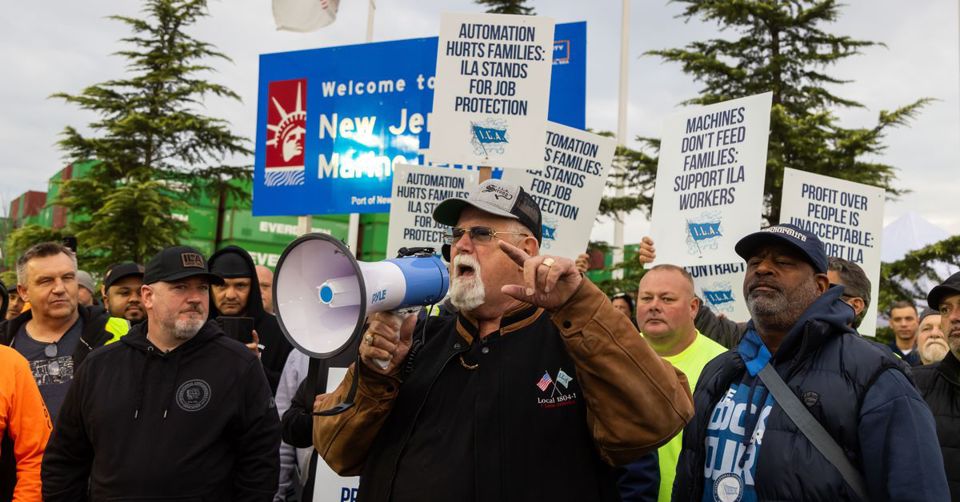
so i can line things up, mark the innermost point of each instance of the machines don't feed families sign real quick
(709, 189)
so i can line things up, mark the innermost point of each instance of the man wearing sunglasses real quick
(533, 391)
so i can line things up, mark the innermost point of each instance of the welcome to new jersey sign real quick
(332, 122)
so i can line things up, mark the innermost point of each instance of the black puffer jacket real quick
(276, 348)
(939, 385)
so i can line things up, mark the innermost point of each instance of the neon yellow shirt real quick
(691, 362)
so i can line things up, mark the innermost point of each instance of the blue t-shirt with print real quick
(735, 430)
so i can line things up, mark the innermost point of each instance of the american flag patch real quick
(545, 381)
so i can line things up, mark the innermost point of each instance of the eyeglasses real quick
(480, 235)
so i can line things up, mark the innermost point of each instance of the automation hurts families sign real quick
(709, 189)
(493, 86)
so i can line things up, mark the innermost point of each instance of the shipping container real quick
(28, 204)
(263, 253)
(202, 221)
(204, 246)
(240, 224)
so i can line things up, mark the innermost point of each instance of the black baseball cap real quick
(808, 244)
(120, 271)
(178, 262)
(949, 287)
(497, 198)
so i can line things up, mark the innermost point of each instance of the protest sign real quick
(846, 216)
(327, 485)
(709, 189)
(721, 288)
(492, 89)
(568, 187)
(331, 122)
(416, 192)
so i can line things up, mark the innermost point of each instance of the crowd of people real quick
(527, 384)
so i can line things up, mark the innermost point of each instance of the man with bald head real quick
(265, 277)
(533, 391)
(667, 307)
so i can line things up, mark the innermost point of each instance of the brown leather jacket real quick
(635, 400)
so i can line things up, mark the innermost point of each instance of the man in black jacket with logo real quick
(174, 411)
(939, 383)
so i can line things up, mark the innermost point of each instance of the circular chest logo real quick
(728, 488)
(193, 395)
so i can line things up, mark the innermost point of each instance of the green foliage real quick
(507, 7)
(901, 279)
(22, 238)
(151, 138)
(780, 47)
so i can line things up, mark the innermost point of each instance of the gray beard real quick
(185, 330)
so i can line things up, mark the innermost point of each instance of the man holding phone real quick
(239, 296)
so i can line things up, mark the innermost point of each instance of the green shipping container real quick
(204, 246)
(373, 241)
(265, 254)
(240, 224)
(202, 221)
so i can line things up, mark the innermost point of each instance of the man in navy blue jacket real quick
(742, 446)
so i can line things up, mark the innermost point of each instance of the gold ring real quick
(368, 338)
(548, 261)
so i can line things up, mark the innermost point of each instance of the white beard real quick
(467, 294)
(933, 352)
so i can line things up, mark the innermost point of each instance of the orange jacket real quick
(24, 418)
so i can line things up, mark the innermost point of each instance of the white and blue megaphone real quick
(322, 295)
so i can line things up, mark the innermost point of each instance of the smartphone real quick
(238, 328)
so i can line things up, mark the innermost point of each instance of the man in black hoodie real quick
(174, 411)
(239, 295)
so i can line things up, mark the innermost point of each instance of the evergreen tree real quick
(781, 47)
(507, 7)
(906, 278)
(154, 146)
(21, 239)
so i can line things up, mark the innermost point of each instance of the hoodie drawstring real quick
(142, 385)
(173, 385)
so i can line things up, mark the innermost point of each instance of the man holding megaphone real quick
(532, 392)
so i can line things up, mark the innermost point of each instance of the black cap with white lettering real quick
(809, 245)
(178, 262)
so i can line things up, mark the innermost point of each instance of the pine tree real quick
(782, 47)
(155, 147)
(507, 7)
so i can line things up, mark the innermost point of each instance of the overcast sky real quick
(50, 47)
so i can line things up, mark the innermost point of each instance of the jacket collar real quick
(825, 318)
(949, 367)
(515, 319)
